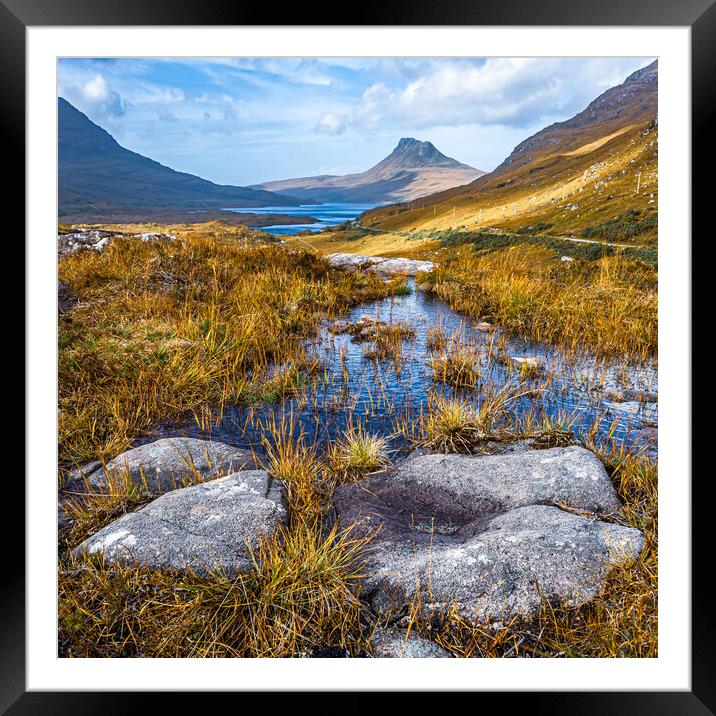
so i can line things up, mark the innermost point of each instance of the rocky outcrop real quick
(96, 240)
(493, 535)
(206, 527)
(384, 267)
(166, 464)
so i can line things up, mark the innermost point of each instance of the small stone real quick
(615, 395)
(526, 362)
(339, 327)
(391, 643)
(385, 267)
(641, 396)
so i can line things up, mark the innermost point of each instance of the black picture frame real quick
(699, 15)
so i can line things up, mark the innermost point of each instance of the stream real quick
(380, 395)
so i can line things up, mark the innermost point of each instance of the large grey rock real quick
(203, 527)
(489, 533)
(391, 643)
(379, 264)
(169, 463)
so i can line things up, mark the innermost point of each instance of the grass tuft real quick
(358, 453)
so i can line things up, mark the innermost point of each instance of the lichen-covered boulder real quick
(169, 463)
(207, 527)
(492, 535)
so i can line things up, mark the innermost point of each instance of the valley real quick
(355, 373)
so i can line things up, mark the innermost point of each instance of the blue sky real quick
(248, 120)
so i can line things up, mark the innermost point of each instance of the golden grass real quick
(608, 306)
(387, 342)
(171, 327)
(459, 365)
(357, 453)
(95, 507)
(302, 597)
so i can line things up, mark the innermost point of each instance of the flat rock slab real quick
(383, 266)
(203, 527)
(394, 643)
(170, 463)
(489, 533)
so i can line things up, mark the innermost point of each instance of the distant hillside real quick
(413, 169)
(570, 175)
(100, 180)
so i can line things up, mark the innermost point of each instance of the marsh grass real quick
(435, 338)
(302, 597)
(95, 507)
(291, 460)
(459, 425)
(230, 325)
(357, 453)
(283, 381)
(458, 365)
(608, 306)
(137, 349)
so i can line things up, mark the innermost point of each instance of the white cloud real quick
(95, 97)
(506, 91)
(330, 123)
(96, 89)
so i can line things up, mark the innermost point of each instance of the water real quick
(381, 395)
(327, 215)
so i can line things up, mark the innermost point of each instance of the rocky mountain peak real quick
(411, 153)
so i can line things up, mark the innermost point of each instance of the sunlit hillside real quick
(573, 175)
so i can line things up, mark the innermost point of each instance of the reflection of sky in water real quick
(377, 395)
(327, 215)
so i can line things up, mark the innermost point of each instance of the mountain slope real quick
(99, 179)
(572, 174)
(619, 107)
(413, 169)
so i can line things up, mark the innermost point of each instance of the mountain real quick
(572, 174)
(633, 101)
(99, 180)
(413, 169)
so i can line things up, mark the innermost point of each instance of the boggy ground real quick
(162, 329)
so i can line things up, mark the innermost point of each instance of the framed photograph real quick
(362, 359)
